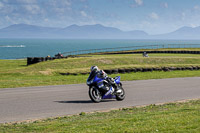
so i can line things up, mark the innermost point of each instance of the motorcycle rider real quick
(101, 74)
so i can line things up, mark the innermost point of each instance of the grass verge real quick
(21, 80)
(171, 117)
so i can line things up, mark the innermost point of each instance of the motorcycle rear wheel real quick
(95, 94)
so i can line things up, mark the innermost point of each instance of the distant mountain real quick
(90, 31)
(96, 31)
(138, 34)
(185, 33)
(27, 31)
(71, 32)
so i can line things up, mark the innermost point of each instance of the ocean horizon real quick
(23, 48)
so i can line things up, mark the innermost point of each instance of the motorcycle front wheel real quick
(120, 96)
(95, 94)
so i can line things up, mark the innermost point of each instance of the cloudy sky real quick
(152, 16)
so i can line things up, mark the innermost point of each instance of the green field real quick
(159, 49)
(171, 117)
(15, 73)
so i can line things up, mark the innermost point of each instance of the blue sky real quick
(151, 16)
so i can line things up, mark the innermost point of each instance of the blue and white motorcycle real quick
(96, 94)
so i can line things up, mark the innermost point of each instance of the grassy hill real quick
(15, 73)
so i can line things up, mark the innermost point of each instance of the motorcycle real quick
(96, 94)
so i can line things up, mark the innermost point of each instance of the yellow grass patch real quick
(46, 72)
(105, 61)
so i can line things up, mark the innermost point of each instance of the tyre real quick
(94, 94)
(120, 96)
(121, 71)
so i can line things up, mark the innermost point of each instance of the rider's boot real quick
(119, 91)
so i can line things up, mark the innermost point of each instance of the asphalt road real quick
(30, 103)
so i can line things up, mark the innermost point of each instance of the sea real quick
(23, 48)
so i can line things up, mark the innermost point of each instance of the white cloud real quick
(33, 9)
(59, 7)
(7, 18)
(46, 20)
(154, 15)
(196, 7)
(117, 23)
(59, 10)
(83, 14)
(183, 16)
(6, 8)
(5, 1)
(27, 1)
(193, 25)
(60, 3)
(139, 2)
(165, 5)
(67, 3)
(1, 5)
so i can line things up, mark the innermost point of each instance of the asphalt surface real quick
(30, 103)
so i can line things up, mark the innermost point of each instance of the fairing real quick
(117, 80)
